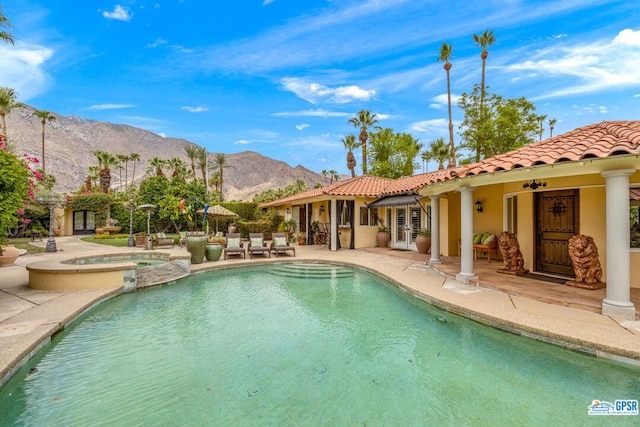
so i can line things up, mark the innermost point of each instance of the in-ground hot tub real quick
(128, 270)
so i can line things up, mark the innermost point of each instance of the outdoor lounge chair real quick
(163, 240)
(280, 245)
(234, 246)
(257, 245)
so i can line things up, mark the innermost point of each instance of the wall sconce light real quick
(288, 211)
(321, 209)
(534, 185)
(478, 206)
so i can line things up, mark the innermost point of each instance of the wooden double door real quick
(557, 220)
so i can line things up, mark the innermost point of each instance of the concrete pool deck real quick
(29, 318)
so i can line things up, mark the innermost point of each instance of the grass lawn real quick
(24, 243)
(118, 240)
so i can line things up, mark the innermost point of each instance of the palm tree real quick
(541, 120)
(445, 55)
(134, 158)
(350, 144)
(7, 103)
(122, 164)
(552, 123)
(155, 166)
(105, 161)
(364, 120)
(177, 166)
(93, 176)
(4, 22)
(201, 158)
(191, 152)
(484, 40)
(221, 163)
(44, 116)
(438, 151)
(324, 173)
(334, 176)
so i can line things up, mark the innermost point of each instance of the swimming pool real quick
(300, 345)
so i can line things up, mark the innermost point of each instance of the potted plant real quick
(383, 237)
(288, 227)
(214, 248)
(59, 220)
(302, 238)
(423, 241)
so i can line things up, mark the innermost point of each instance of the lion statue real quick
(510, 249)
(584, 256)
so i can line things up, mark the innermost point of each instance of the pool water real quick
(301, 345)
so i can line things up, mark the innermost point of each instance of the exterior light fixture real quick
(478, 206)
(534, 185)
(321, 209)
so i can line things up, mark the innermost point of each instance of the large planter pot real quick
(213, 251)
(197, 245)
(423, 244)
(383, 238)
(9, 255)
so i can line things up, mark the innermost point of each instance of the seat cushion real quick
(477, 238)
(488, 238)
(256, 242)
(233, 242)
(279, 242)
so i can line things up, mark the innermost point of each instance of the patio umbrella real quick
(218, 211)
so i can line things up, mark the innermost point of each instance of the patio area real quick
(539, 290)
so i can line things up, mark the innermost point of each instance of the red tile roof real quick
(363, 186)
(600, 140)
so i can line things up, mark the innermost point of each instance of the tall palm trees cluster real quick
(436, 150)
(197, 166)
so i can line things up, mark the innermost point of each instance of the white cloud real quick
(195, 109)
(315, 92)
(158, 42)
(266, 2)
(302, 126)
(319, 112)
(593, 67)
(119, 13)
(22, 68)
(110, 106)
(242, 142)
(433, 126)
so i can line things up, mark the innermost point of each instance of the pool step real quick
(311, 271)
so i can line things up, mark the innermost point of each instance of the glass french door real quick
(408, 222)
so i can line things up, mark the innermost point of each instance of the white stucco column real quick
(333, 225)
(435, 230)
(466, 231)
(617, 302)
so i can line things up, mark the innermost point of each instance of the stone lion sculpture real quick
(510, 249)
(584, 256)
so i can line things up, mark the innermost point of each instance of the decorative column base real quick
(618, 309)
(465, 278)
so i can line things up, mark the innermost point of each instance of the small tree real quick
(507, 124)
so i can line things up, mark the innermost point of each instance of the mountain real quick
(71, 140)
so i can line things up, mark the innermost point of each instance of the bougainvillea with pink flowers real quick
(18, 181)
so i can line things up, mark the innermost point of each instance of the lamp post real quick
(149, 241)
(52, 201)
(129, 206)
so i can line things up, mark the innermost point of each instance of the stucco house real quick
(582, 182)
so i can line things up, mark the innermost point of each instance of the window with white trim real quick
(368, 215)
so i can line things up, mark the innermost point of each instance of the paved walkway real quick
(28, 318)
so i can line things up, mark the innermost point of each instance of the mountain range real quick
(70, 142)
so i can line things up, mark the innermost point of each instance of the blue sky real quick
(282, 77)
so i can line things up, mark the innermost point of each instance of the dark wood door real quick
(557, 220)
